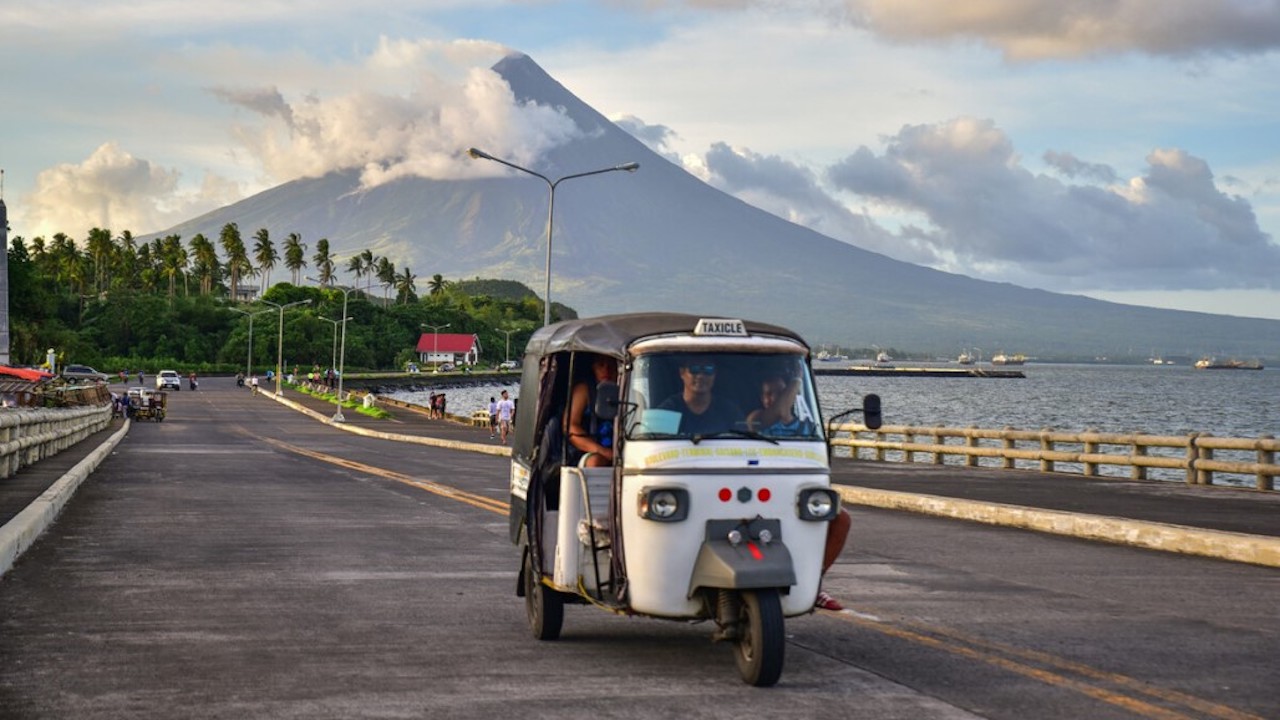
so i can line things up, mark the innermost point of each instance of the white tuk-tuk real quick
(714, 507)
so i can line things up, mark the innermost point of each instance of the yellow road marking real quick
(453, 493)
(978, 649)
(1172, 696)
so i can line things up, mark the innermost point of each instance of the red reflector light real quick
(763, 495)
(726, 494)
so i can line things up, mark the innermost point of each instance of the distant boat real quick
(1001, 359)
(882, 358)
(825, 356)
(965, 358)
(1210, 363)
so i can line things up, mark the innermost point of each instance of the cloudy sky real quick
(1123, 149)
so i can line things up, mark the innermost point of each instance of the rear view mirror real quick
(606, 407)
(871, 411)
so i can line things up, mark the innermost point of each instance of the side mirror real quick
(606, 407)
(871, 411)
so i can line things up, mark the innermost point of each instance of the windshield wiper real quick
(656, 436)
(734, 432)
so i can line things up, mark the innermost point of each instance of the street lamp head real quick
(480, 154)
(629, 167)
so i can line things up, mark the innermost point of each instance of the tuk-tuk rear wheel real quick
(760, 649)
(543, 606)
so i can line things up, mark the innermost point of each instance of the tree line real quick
(120, 304)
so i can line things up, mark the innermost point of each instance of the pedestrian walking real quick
(506, 409)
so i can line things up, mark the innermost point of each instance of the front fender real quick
(748, 565)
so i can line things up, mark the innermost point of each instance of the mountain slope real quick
(660, 239)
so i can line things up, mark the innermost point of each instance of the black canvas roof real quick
(611, 334)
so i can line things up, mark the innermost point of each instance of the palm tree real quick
(369, 260)
(406, 291)
(386, 275)
(125, 261)
(437, 284)
(295, 255)
(264, 252)
(324, 262)
(100, 247)
(173, 260)
(357, 267)
(206, 267)
(237, 257)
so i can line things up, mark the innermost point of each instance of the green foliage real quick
(165, 308)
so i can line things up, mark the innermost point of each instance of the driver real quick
(701, 412)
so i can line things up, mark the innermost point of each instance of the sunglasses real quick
(701, 369)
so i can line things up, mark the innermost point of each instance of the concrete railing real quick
(1199, 458)
(30, 435)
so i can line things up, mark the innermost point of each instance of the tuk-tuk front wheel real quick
(544, 606)
(761, 645)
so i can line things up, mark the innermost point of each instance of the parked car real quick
(508, 365)
(82, 373)
(168, 380)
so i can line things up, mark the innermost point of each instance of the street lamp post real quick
(507, 356)
(435, 329)
(551, 207)
(248, 363)
(333, 362)
(280, 338)
(342, 351)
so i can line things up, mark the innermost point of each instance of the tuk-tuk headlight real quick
(664, 504)
(818, 504)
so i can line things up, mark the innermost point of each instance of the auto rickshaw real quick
(147, 404)
(709, 516)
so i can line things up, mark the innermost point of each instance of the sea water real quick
(1149, 399)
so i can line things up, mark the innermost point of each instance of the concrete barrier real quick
(23, 529)
(1237, 547)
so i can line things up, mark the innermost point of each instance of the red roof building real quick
(455, 348)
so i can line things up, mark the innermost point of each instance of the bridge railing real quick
(1199, 458)
(30, 435)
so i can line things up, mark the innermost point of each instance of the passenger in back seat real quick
(588, 434)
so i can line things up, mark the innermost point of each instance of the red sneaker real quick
(826, 602)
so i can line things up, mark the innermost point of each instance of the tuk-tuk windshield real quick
(699, 395)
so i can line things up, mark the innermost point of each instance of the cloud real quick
(1036, 30)
(114, 190)
(989, 216)
(1073, 167)
(657, 138)
(1028, 30)
(792, 191)
(412, 119)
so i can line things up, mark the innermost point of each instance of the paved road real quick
(242, 560)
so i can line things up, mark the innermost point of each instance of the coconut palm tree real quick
(295, 255)
(238, 264)
(100, 247)
(406, 290)
(206, 267)
(386, 275)
(437, 284)
(125, 264)
(324, 262)
(173, 260)
(264, 252)
(356, 267)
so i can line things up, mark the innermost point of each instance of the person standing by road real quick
(506, 409)
(493, 417)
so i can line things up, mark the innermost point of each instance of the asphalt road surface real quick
(240, 560)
